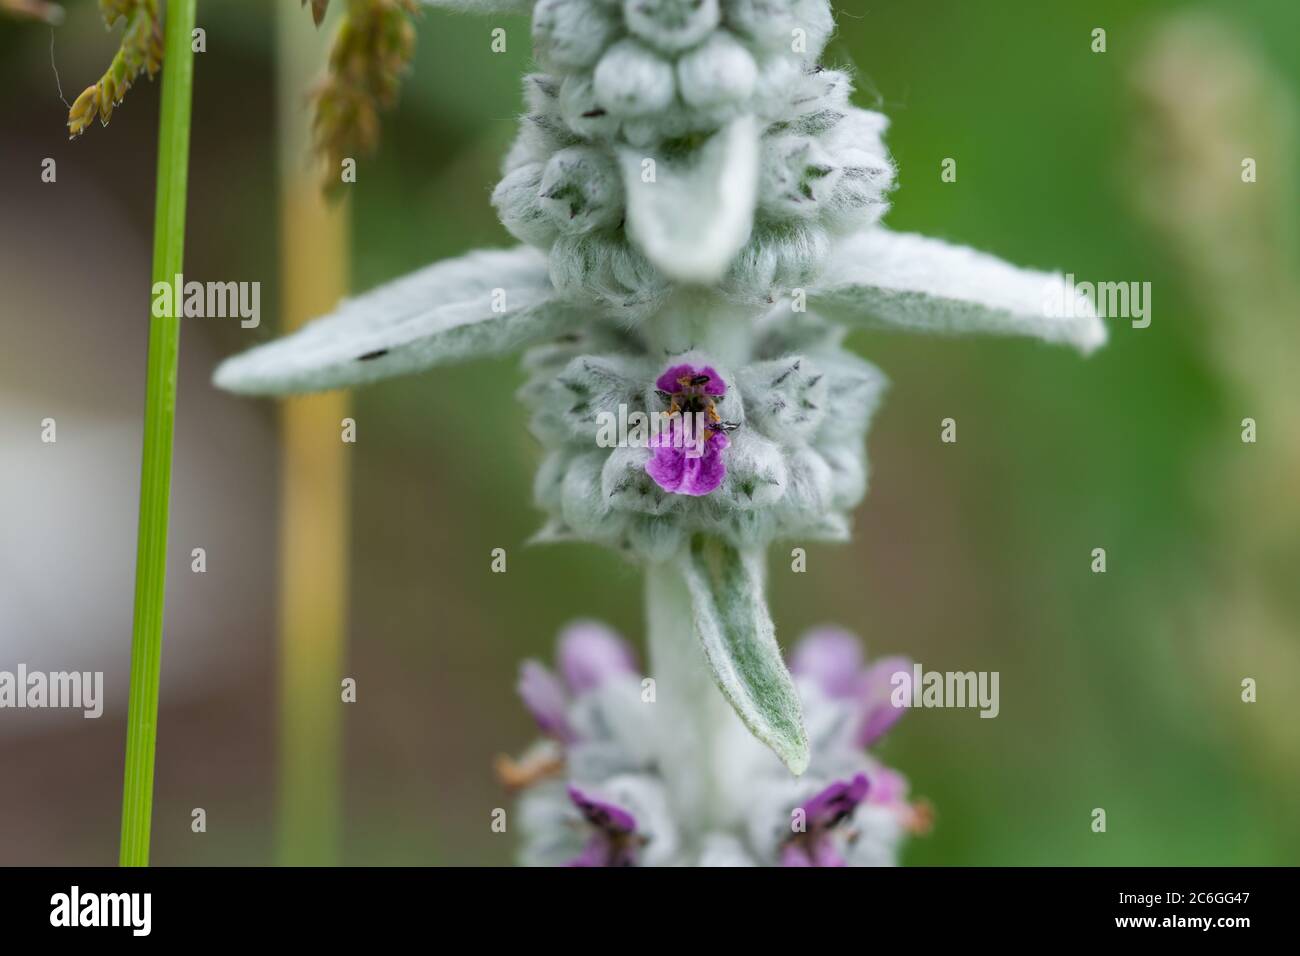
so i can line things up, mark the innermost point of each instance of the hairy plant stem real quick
(159, 428)
(701, 319)
(691, 710)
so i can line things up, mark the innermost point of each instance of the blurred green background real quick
(1118, 690)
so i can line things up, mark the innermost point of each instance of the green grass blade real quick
(159, 426)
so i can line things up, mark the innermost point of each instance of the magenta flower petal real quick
(830, 657)
(825, 854)
(794, 853)
(876, 696)
(835, 802)
(595, 853)
(688, 460)
(591, 654)
(817, 852)
(613, 839)
(822, 812)
(678, 472)
(682, 378)
(888, 786)
(546, 700)
(666, 466)
(606, 817)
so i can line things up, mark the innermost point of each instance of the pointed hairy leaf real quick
(694, 213)
(887, 280)
(735, 629)
(482, 304)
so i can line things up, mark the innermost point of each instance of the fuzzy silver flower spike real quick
(699, 207)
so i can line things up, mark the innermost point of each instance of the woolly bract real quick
(795, 465)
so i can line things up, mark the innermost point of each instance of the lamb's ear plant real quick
(698, 204)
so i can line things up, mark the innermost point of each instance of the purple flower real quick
(687, 457)
(888, 786)
(547, 700)
(876, 697)
(689, 380)
(889, 789)
(589, 655)
(822, 814)
(613, 840)
(832, 659)
(675, 470)
(819, 853)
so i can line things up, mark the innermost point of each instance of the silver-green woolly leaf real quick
(887, 280)
(690, 214)
(854, 389)
(810, 487)
(582, 504)
(756, 473)
(591, 390)
(739, 640)
(654, 537)
(482, 304)
(626, 486)
(786, 397)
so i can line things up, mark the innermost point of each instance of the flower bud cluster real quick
(636, 84)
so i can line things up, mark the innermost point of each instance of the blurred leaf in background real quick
(41, 10)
